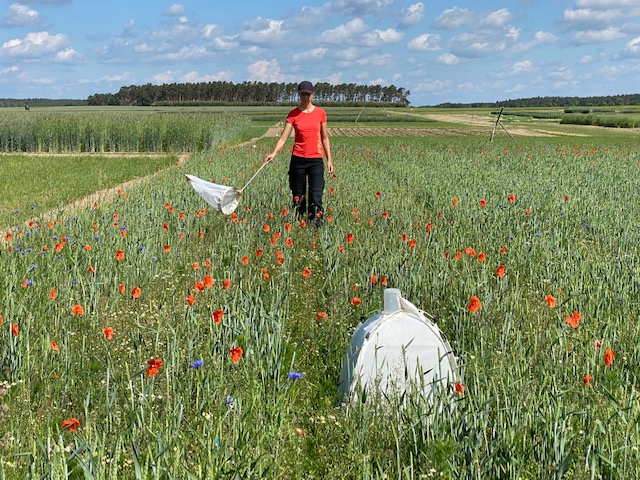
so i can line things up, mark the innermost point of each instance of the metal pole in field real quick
(503, 127)
(495, 125)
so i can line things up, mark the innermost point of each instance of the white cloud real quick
(434, 86)
(633, 45)
(265, 71)
(598, 36)
(20, 16)
(343, 34)
(456, 17)
(472, 45)
(497, 19)
(34, 45)
(313, 54)
(68, 55)
(175, 10)
(412, 15)
(186, 53)
(524, 66)
(426, 42)
(265, 32)
(539, 38)
(361, 7)
(448, 59)
(376, 38)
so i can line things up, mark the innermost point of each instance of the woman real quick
(311, 145)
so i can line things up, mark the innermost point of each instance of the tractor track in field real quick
(98, 196)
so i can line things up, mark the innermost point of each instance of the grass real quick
(34, 185)
(526, 411)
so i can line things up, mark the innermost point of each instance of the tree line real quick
(252, 93)
(597, 101)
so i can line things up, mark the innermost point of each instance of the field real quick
(145, 335)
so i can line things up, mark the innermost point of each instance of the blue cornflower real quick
(197, 364)
(295, 375)
(229, 401)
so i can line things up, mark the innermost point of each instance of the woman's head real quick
(305, 87)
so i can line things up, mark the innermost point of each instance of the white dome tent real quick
(397, 350)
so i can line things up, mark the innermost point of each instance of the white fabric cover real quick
(222, 198)
(397, 348)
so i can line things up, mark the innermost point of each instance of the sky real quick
(455, 51)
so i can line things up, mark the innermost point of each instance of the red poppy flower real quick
(455, 201)
(122, 288)
(512, 198)
(503, 250)
(119, 255)
(470, 251)
(208, 281)
(459, 388)
(288, 242)
(195, 265)
(78, 310)
(266, 228)
(54, 345)
(88, 248)
(474, 304)
(199, 286)
(191, 299)
(608, 357)
(551, 302)
(70, 425)
(245, 260)
(135, 292)
(500, 271)
(574, 319)
(91, 269)
(226, 284)
(340, 248)
(217, 315)
(355, 301)
(53, 294)
(481, 257)
(412, 243)
(374, 279)
(258, 252)
(349, 237)
(483, 203)
(428, 227)
(587, 380)
(306, 273)
(383, 280)
(166, 248)
(385, 215)
(321, 315)
(15, 329)
(236, 354)
(458, 256)
(108, 332)
(153, 366)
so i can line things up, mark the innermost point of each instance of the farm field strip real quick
(152, 337)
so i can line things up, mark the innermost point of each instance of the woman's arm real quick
(326, 145)
(280, 143)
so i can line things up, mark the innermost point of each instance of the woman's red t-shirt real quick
(308, 142)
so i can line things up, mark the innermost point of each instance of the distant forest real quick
(603, 101)
(40, 102)
(251, 93)
(257, 93)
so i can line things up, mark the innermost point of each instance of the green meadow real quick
(146, 335)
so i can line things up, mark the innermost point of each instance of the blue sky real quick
(457, 51)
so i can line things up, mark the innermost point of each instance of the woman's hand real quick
(330, 166)
(269, 157)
